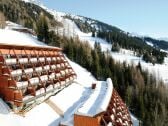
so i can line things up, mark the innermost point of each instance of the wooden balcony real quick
(22, 84)
(34, 81)
(11, 61)
(23, 60)
(44, 78)
(29, 73)
(33, 60)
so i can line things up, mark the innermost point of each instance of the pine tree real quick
(95, 64)
(54, 39)
(93, 34)
(115, 47)
(2, 20)
(43, 29)
(97, 47)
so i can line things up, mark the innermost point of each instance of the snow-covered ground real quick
(134, 120)
(71, 29)
(158, 70)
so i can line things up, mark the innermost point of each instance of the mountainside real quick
(90, 25)
(24, 13)
(162, 44)
(150, 50)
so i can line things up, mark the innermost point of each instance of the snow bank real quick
(10, 120)
(41, 115)
(10, 25)
(5, 116)
(4, 109)
(84, 77)
(135, 121)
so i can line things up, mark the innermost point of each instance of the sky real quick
(143, 17)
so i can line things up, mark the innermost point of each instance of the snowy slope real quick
(134, 120)
(70, 29)
(160, 71)
(37, 2)
(3, 107)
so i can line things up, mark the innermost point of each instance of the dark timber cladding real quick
(30, 74)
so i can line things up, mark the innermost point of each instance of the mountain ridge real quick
(87, 25)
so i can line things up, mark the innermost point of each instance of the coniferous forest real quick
(145, 96)
(136, 44)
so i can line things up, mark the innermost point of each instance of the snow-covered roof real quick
(17, 38)
(99, 99)
(13, 38)
(10, 25)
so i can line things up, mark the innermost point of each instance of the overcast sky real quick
(145, 17)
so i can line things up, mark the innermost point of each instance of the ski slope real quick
(158, 70)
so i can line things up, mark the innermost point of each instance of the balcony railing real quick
(16, 72)
(33, 60)
(11, 61)
(23, 60)
(34, 81)
(44, 71)
(22, 84)
(44, 78)
(40, 91)
(28, 71)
